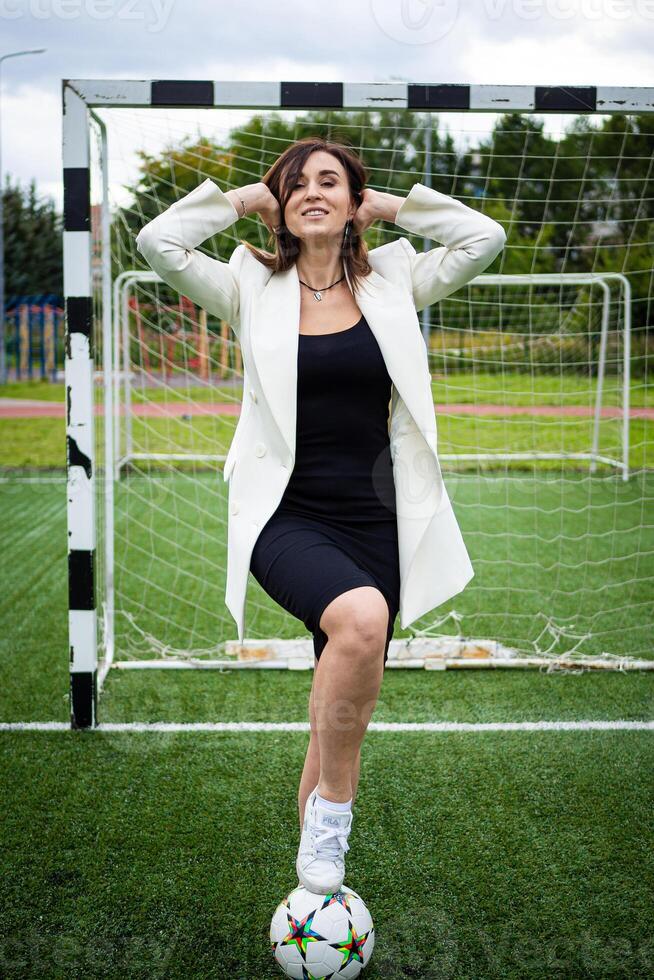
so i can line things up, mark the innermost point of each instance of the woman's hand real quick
(368, 211)
(375, 205)
(268, 207)
(257, 198)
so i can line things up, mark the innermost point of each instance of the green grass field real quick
(481, 853)
(505, 388)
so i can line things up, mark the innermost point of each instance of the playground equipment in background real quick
(34, 328)
(178, 338)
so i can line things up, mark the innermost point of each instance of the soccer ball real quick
(322, 936)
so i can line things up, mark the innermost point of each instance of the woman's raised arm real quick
(470, 242)
(169, 245)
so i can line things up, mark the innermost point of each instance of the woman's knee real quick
(358, 616)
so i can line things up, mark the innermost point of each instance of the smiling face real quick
(320, 202)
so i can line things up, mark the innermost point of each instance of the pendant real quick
(318, 295)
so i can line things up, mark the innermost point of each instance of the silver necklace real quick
(318, 292)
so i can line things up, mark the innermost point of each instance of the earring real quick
(346, 233)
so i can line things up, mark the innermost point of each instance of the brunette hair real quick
(281, 179)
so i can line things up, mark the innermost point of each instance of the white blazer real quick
(263, 310)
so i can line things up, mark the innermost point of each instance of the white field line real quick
(139, 727)
(33, 479)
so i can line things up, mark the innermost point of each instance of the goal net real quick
(539, 372)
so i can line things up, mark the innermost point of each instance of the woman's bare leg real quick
(311, 772)
(347, 683)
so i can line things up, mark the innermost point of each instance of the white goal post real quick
(123, 376)
(511, 352)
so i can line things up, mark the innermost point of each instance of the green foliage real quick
(33, 242)
(576, 203)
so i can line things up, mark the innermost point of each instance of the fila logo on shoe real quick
(333, 821)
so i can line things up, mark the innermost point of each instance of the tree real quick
(33, 243)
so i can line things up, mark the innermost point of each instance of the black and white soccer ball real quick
(322, 936)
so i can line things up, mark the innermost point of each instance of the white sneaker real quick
(320, 862)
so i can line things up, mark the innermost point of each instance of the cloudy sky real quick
(545, 42)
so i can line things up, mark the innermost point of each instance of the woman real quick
(329, 552)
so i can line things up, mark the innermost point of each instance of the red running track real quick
(24, 408)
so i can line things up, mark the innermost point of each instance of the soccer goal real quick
(539, 369)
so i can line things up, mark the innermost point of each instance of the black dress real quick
(335, 528)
